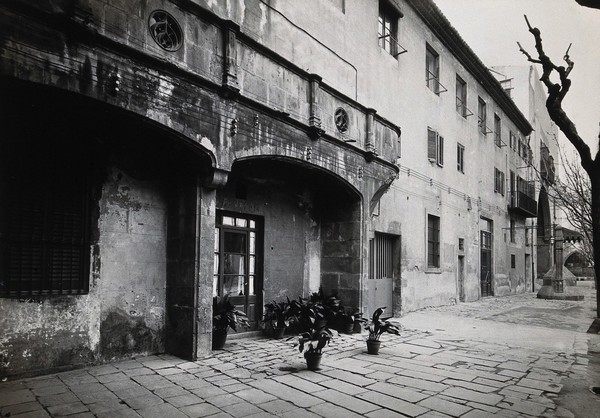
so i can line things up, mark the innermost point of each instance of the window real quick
(381, 262)
(482, 116)
(519, 147)
(513, 140)
(497, 131)
(387, 30)
(435, 147)
(461, 96)
(433, 241)
(236, 258)
(498, 181)
(45, 219)
(460, 158)
(512, 231)
(513, 261)
(432, 70)
(461, 244)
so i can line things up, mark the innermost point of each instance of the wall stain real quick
(123, 335)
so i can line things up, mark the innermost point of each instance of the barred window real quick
(433, 241)
(44, 220)
(381, 261)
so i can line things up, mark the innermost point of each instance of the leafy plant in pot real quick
(376, 327)
(348, 322)
(225, 316)
(307, 315)
(277, 318)
(312, 343)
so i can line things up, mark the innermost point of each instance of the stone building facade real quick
(523, 85)
(158, 153)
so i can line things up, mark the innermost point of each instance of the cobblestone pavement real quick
(436, 370)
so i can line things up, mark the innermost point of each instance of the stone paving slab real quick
(421, 373)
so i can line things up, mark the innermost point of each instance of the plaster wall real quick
(290, 235)
(132, 253)
(122, 315)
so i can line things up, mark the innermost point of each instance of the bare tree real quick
(572, 193)
(556, 93)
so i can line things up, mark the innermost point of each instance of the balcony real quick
(547, 170)
(522, 204)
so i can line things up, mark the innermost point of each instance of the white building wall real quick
(338, 41)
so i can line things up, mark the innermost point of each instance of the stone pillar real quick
(190, 249)
(558, 282)
(182, 269)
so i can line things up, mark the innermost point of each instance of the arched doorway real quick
(306, 223)
(545, 255)
(89, 197)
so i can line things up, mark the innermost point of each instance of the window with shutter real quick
(431, 145)
(460, 158)
(44, 227)
(435, 147)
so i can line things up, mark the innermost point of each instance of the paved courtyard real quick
(512, 357)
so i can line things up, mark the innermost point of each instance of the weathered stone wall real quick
(132, 252)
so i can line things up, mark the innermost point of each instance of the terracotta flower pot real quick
(373, 346)
(313, 360)
(278, 333)
(218, 339)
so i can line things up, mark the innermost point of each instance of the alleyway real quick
(512, 356)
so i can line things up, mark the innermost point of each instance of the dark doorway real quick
(486, 259)
(461, 278)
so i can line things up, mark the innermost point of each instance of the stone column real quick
(558, 282)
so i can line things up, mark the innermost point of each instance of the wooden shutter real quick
(431, 145)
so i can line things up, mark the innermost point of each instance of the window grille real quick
(433, 241)
(45, 222)
(381, 262)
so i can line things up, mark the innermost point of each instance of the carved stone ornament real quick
(165, 30)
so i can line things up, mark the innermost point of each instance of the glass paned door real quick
(486, 260)
(236, 266)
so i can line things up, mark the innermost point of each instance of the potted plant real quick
(345, 321)
(225, 316)
(358, 322)
(307, 315)
(277, 318)
(376, 327)
(312, 343)
(329, 306)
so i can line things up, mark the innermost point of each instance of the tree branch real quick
(556, 94)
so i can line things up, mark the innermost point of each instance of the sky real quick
(493, 27)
